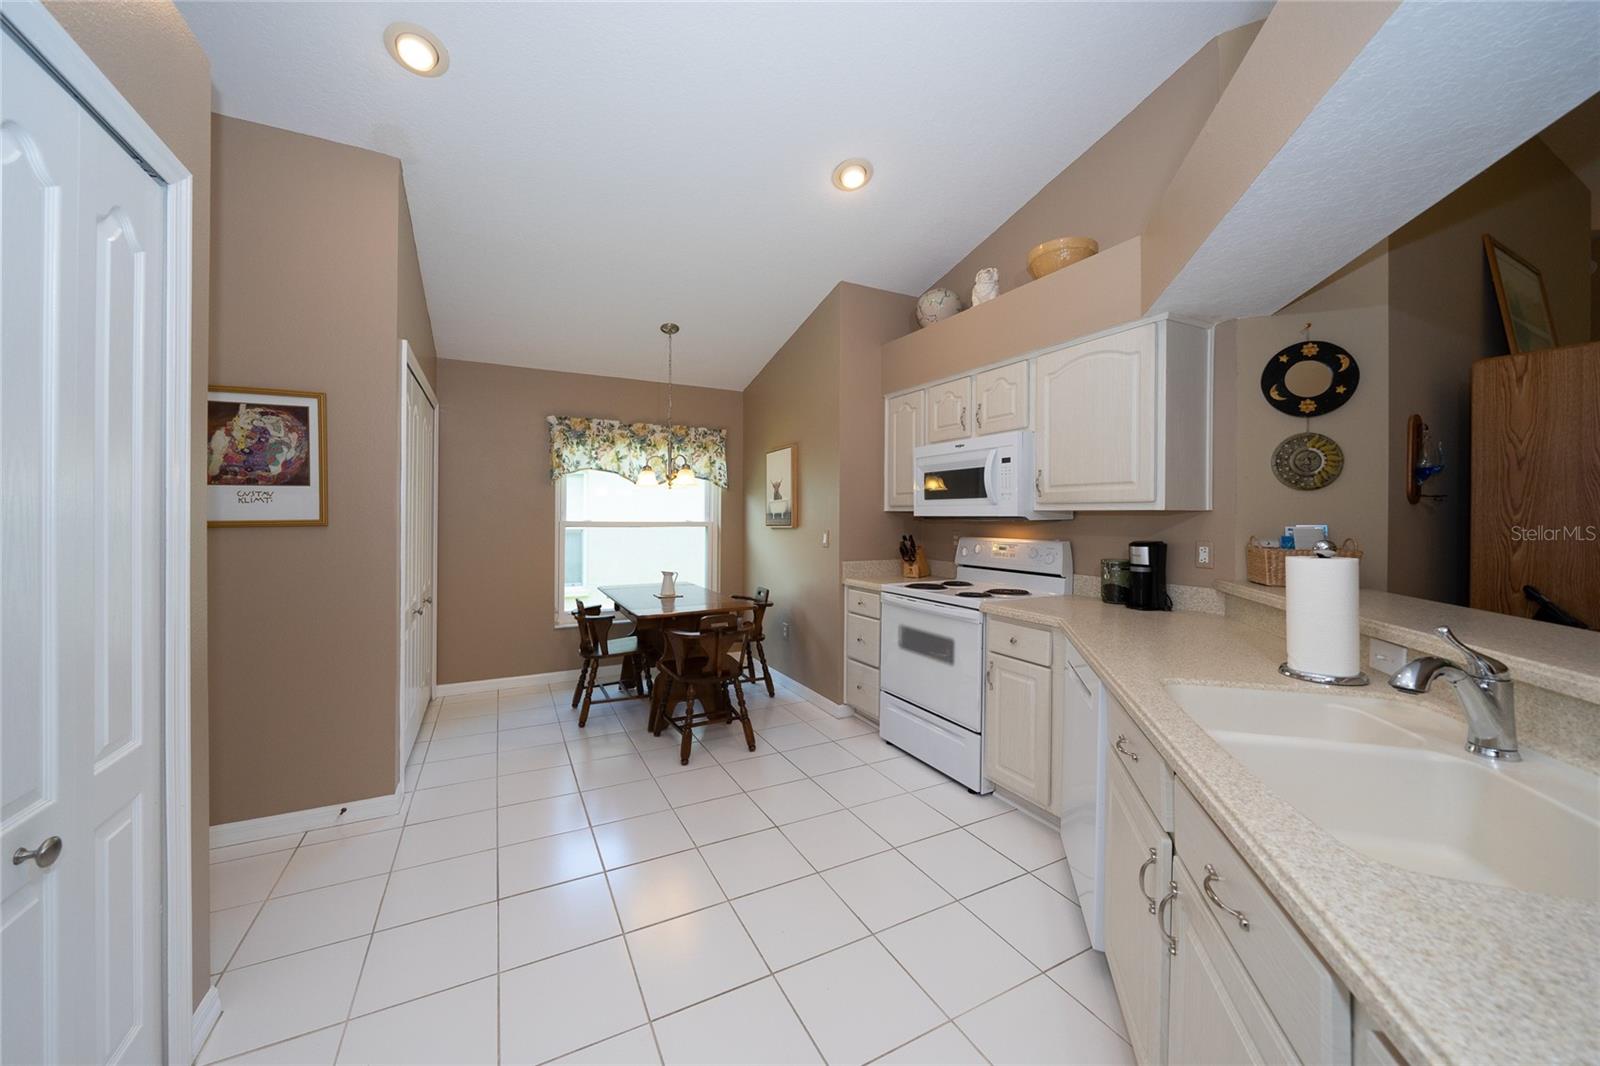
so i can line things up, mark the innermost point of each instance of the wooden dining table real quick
(651, 613)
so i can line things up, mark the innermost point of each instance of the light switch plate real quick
(1387, 657)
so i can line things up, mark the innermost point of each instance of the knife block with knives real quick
(913, 560)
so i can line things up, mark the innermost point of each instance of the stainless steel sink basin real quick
(1391, 780)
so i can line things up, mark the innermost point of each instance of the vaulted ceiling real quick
(585, 171)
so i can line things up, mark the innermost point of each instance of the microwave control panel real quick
(1008, 476)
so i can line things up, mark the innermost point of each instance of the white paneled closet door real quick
(82, 265)
(421, 418)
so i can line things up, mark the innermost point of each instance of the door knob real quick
(43, 855)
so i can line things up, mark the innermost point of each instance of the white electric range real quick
(930, 656)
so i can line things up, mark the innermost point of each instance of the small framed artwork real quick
(266, 457)
(1524, 302)
(783, 487)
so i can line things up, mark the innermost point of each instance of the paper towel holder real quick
(1354, 681)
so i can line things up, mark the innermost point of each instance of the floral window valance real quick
(627, 447)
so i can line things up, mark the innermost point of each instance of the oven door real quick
(960, 482)
(932, 655)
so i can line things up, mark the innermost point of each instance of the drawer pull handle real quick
(1161, 917)
(988, 674)
(1122, 748)
(1143, 866)
(1212, 875)
(1013, 640)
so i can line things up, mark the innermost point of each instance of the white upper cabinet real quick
(902, 432)
(950, 410)
(1000, 399)
(1123, 421)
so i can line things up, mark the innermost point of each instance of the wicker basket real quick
(1265, 566)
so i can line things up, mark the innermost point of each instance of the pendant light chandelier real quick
(676, 466)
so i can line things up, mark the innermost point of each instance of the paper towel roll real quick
(1322, 614)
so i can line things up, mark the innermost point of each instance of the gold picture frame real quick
(781, 488)
(1521, 293)
(248, 482)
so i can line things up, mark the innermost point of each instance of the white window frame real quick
(712, 524)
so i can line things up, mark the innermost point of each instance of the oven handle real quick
(908, 603)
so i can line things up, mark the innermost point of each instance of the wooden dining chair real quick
(755, 646)
(701, 665)
(598, 648)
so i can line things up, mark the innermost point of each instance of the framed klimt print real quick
(266, 457)
(1524, 302)
(783, 487)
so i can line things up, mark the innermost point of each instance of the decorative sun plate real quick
(1308, 461)
(1342, 386)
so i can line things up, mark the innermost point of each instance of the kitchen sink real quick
(1391, 781)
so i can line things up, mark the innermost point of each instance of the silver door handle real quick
(1038, 476)
(1161, 918)
(415, 611)
(43, 855)
(1143, 866)
(978, 417)
(1122, 749)
(1205, 886)
(988, 675)
(427, 599)
(963, 418)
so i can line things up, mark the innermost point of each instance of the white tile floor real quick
(551, 894)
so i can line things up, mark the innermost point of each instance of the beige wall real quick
(1351, 310)
(497, 506)
(795, 400)
(414, 323)
(304, 642)
(148, 53)
(1443, 316)
(867, 318)
(1110, 190)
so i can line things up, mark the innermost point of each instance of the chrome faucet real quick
(1482, 684)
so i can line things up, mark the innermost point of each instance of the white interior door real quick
(417, 558)
(82, 267)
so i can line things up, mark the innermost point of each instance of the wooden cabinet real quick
(1138, 874)
(1019, 752)
(902, 432)
(1000, 399)
(1123, 421)
(1216, 1014)
(949, 410)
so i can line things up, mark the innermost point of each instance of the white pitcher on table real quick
(669, 584)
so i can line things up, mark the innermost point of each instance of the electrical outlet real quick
(1202, 555)
(786, 631)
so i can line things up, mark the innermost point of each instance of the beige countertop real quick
(1559, 658)
(1452, 971)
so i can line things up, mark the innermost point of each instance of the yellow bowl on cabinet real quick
(1051, 256)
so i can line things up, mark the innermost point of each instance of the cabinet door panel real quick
(902, 429)
(1136, 947)
(949, 411)
(1000, 399)
(1097, 420)
(1017, 735)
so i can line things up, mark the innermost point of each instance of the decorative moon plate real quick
(1342, 386)
(1308, 461)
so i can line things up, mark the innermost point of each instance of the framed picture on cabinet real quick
(1524, 301)
(783, 487)
(266, 457)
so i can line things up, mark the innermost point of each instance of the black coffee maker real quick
(1147, 576)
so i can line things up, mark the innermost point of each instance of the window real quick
(610, 531)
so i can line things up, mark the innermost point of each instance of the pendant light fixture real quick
(676, 467)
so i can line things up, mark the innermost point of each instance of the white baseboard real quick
(489, 684)
(838, 710)
(205, 1019)
(301, 821)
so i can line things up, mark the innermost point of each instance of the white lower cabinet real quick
(1138, 875)
(861, 636)
(1018, 742)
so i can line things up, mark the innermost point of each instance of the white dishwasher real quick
(1083, 790)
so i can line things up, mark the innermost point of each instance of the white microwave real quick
(980, 477)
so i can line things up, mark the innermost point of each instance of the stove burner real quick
(925, 585)
(1008, 592)
(957, 584)
(974, 595)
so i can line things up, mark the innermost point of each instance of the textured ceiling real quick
(585, 171)
(1441, 91)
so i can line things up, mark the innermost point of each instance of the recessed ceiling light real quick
(416, 49)
(852, 174)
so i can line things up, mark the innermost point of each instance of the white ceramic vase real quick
(936, 305)
(986, 286)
